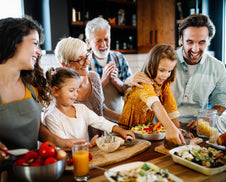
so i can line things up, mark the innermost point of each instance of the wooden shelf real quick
(123, 2)
(123, 26)
(77, 23)
(126, 51)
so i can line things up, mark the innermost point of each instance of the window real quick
(11, 8)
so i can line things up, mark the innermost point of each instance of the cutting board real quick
(101, 158)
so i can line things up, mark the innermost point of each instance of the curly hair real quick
(12, 32)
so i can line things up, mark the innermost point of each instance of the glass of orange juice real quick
(80, 154)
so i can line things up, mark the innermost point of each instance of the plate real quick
(192, 165)
(158, 136)
(221, 147)
(133, 165)
(18, 152)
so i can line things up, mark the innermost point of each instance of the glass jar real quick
(206, 123)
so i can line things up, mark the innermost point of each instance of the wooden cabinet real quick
(155, 23)
(123, 31)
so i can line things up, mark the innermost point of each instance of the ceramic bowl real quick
(108, 143)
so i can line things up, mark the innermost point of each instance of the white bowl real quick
(108, 143)
(157, 136)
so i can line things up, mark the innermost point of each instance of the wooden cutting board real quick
(101, 158)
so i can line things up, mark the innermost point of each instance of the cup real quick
(80, 154)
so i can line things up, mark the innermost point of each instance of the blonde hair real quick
(69, 49)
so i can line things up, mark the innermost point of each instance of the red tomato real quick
(50, 160)
(90, 156)
(70, 162)
(35, 164)
(31, 155)
(22, 162)
(39, 160)
(47, 149)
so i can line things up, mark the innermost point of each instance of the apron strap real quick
(31, 90)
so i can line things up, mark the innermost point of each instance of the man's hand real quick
(136, 79)
(108, 69)
(192, 124)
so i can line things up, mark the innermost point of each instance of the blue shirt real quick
(123, 67)
(206, 84)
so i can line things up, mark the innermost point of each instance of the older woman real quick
(73, 53)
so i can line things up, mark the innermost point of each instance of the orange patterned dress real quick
(138, 101)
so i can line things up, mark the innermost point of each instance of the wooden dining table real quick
(161, 160)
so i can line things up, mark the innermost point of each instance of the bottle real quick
(130, 45)
(73, 15)
(117, 45)
(134, 20)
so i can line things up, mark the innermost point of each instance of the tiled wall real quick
(135, 61)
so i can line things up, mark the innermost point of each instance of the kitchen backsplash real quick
(135, 61)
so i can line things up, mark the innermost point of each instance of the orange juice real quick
(81, 163)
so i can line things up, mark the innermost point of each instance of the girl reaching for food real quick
(67, 119)
(141, 105)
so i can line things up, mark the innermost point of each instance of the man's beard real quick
(101, 54)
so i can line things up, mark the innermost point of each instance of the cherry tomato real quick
(60, 154)
(22, 162)
(47, 149)
(50, 160)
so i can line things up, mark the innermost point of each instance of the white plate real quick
(133, 165)
(192, 165)
(158, 136)
(221, 147)
(17, 152)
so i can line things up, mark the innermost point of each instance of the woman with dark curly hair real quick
(23, 89)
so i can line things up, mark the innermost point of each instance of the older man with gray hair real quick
(110, 65)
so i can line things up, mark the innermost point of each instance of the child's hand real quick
(92, 142)
(175, 136)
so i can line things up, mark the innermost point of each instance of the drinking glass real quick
(80, 154)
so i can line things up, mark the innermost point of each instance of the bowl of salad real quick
(149, 131)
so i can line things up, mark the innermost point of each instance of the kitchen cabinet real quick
(121, 15)
(155, 23)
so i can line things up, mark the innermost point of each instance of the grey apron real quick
(20, 122)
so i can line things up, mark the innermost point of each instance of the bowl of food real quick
(37, 167)
(109, 143)
(149, 131)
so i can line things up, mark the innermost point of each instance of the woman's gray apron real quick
(20, 122)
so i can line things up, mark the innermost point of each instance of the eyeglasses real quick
(82, 61)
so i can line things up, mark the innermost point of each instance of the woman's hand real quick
(92, 142)
(3, 156)
(175, 136)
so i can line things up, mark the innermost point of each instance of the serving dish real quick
(221, 147)
(157, 136)
(192, 165)
(149, 131)
(132, 166)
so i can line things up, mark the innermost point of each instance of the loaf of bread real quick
(221, 140)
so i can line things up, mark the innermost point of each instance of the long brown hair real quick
(12, 31)
(157, 53)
